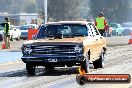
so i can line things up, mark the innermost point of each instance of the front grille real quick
(54, 50)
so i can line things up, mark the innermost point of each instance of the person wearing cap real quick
(101, 24)
(6, 26)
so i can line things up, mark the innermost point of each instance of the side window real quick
(89, 30)
(94, 30)
(41, 32)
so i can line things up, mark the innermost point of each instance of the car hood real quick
(49, 41)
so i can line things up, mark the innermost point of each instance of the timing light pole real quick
(45, 11)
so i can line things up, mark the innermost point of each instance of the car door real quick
(15, 33)
(92, 43)
(98, 41)
(102, 40)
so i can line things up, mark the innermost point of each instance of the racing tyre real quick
(30, 69)
(100, 62)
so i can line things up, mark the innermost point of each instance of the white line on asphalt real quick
(11, 62)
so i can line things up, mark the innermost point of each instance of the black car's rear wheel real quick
(100, 62)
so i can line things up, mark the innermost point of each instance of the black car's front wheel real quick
(100, 62)
(30, 68)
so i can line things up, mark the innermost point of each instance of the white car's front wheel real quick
(11, 38)
(18, 38)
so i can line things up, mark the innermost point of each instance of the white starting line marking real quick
(11, 62)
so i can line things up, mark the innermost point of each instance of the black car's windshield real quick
(66, 30)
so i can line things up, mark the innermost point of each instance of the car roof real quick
(114, 23)
(68, 22)
(29, 25)
(127, 23)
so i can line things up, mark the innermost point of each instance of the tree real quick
(114, 10)
(64, 9)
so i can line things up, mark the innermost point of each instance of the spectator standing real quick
(6, 26)
(101, 24)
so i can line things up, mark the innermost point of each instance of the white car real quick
(14, 32)
(24, 30)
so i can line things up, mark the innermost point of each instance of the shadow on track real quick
(40, 72)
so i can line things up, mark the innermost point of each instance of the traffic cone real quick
(130, 39)
(3, 45)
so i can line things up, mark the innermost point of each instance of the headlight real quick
(26, 50)
(78, 49)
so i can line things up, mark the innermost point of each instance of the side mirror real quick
(34, 37)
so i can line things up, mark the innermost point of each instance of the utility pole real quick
(45, 10)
